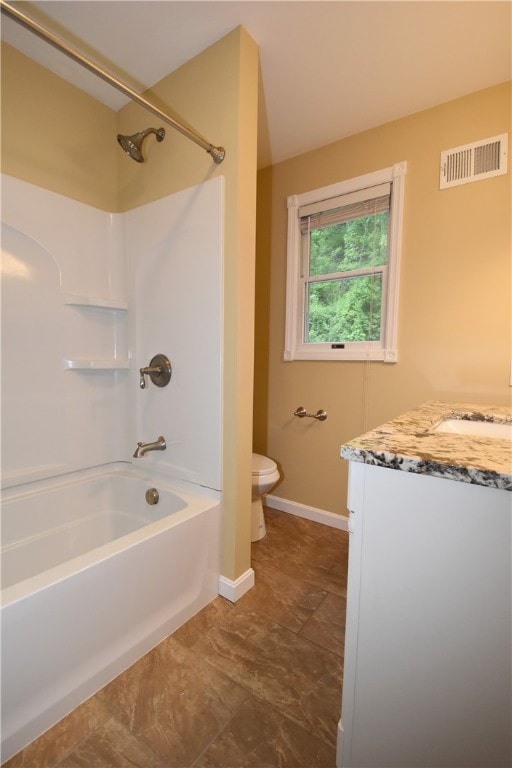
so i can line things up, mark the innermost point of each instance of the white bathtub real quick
(92, 578)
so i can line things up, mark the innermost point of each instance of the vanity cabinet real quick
(427, 677)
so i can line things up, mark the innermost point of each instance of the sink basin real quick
(475, 428)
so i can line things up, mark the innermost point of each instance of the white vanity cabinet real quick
(427, 678)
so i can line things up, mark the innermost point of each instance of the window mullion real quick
(349, 273)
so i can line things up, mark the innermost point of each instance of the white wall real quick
(54, 419)
(174, 247)
(164, 261)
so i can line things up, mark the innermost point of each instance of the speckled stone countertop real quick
(408, 444)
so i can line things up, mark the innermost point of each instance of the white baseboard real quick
(233, 590)
(309, 513)
(339, 744)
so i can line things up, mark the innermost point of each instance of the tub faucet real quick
(142, 448)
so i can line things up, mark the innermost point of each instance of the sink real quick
(475, 428)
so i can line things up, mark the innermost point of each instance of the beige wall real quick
(55, 136)
(455, 296)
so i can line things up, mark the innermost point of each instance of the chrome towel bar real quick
(301, 413)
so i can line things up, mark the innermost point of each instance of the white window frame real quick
(386, 349)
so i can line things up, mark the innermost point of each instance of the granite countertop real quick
(408, 444)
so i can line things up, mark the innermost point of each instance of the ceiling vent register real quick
(474, 162)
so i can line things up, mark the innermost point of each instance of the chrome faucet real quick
(142, 448)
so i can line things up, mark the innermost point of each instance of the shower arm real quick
(217, 153)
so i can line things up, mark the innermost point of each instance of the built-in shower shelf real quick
(94, 301)
(83, 364)
(87, 326)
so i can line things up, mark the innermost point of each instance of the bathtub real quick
(92, 578)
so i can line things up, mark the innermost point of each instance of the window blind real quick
(339, 210)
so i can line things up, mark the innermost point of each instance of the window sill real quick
(322, 352)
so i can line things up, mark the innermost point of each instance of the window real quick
(343, 269)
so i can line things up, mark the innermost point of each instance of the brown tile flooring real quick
(257, 683)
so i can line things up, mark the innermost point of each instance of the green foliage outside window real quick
(343, 309)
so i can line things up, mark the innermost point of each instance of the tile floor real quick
(257, 683)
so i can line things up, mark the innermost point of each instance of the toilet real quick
(265, 475)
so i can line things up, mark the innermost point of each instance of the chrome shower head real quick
(132, 145)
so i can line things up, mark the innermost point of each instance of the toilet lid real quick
(262, 465)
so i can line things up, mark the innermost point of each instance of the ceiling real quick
(328, 69)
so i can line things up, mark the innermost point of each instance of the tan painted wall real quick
(455, 296)
(56, 136)
(51, 132)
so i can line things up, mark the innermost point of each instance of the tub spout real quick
(142, 448)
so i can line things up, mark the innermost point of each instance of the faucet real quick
(142, 448)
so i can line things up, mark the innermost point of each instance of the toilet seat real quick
(262, 465)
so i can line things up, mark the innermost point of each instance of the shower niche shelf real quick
(83, 364)
(95, 302)
(100, 325)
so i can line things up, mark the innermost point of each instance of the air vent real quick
(473, 162)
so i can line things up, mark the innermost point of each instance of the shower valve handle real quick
(159, 371)
(147, 372)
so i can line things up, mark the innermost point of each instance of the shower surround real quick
(88, 298)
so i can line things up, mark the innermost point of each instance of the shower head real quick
(132, 145)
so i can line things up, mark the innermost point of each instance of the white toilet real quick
(265, 475)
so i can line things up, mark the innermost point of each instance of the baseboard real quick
(339, 744)
(309, 513)
(233, 590)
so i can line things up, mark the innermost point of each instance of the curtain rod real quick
(217, 153)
